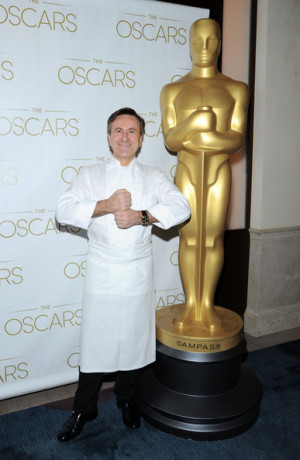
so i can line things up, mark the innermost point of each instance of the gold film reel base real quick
(195, 336)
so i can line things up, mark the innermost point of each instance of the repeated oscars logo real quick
(177, 76)
(174, 258)
(165, 298)
(74, 165)
(38, 122)
(153, 125)
(37, 223)
(43, 319)
(97, 73)
(41, 17)
(75, 268)
(180, 72)
(153, 130)
(173, 171)
(73, 360)
(69, 172)
(8, 175)
(11, 274)
(12, 370)
(151, 28)
(6, 70)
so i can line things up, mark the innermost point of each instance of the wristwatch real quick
(145, 218)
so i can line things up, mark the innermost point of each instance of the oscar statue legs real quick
(201, 239)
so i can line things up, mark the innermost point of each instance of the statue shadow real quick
(231, 291)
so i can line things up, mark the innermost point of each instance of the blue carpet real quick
(31, 434)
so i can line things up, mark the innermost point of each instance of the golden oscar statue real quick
(198, 388)
(204, 119)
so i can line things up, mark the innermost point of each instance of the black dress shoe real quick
(73, 426)
(130, 414)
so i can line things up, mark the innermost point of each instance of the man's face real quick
(125, 138)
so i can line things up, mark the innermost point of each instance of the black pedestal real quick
(199, 395)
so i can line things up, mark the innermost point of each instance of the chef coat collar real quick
(116, 163)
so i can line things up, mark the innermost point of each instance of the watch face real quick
(145, 218)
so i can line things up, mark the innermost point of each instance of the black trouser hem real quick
(89, 384)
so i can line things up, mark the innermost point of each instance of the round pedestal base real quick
(213, 398)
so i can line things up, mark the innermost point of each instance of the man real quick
(117, 202)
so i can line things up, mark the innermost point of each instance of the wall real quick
(235, 64)
(274, 270)
(231, 291)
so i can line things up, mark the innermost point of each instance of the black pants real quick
(89, 384)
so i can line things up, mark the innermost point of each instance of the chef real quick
(118, 201)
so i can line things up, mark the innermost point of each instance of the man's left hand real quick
(127, 218)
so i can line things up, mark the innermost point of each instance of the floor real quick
(67, 391)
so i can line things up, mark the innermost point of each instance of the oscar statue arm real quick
(229, 131)
(205, 128)
(175, 133)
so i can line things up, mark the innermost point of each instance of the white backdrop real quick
(64, 68)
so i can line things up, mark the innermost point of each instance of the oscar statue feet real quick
(73, 426)
(209, 319)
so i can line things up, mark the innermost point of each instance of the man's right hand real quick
(120, 200)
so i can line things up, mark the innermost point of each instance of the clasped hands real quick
(119, 205)
(202, 132)
(203, 119)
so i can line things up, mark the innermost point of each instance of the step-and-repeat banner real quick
(65, 66)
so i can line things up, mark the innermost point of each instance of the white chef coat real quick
(118, 324)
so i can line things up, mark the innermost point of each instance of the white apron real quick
(118, 326)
